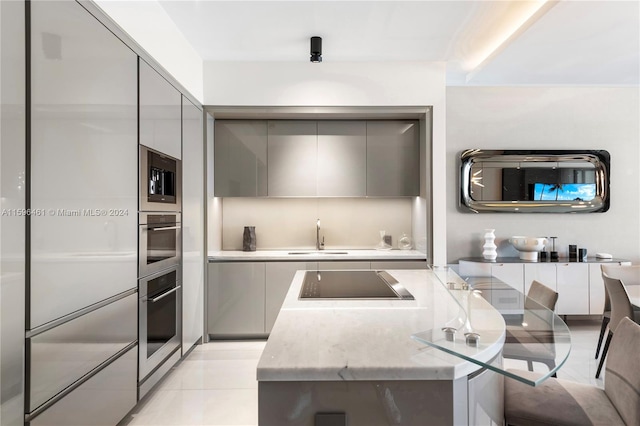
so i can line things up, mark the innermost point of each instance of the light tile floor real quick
(216, 385)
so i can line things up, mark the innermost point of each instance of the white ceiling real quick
(565, 43)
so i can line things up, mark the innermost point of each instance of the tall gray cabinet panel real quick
(342, 158)
(393, 158)
(193, 251)
(84, 162)
(160, 109)
(83, 233)
(12, 227)
(292, 162)
(240, 158)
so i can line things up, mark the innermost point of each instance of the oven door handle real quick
(164, 228)
(165, 294)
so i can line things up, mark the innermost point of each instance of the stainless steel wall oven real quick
(160, 181)
(160, 240)
(159, 265)
(160, 312)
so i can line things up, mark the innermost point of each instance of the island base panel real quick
(364, 402)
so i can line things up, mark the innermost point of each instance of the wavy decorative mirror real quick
(534, 181)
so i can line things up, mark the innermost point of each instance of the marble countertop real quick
(333, 340)
(313, 255)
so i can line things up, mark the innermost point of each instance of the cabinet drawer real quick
(62, 355)
(104, 399)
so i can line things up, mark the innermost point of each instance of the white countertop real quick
(330, 340)
(313, 255)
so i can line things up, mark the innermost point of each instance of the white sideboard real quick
(579, 284)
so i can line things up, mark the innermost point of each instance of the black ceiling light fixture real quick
(316, 49)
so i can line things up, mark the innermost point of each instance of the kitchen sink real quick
(318, 252)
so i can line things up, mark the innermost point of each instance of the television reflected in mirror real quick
(543, 181)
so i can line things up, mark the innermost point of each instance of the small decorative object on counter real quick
(249, 238)
(554, 253)
(404, 243)
(383, 245)
(528, 246)
(573, 252)
(489, 247)
(582, 255)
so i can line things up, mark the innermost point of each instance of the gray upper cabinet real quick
(393, 158)
(292, 160)
(240, 158)
(342, 159)
(160, 113)
(325, 158)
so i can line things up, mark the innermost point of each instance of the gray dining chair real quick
(541, 294)
(562, 402)
(620, 308)
(628, 274)
(534, 343)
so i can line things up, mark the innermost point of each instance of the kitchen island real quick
(356, 358)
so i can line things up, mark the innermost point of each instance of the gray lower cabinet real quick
(342, 158)
(399, 264)
(292, 161)
(393, 158)
(240, 158)
(236, 299)
(244, 298)
(278, 280)
(342, 265)
(102, 400)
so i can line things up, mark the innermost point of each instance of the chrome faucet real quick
(319, 245)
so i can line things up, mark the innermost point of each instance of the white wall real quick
(342, 84)
(325, 84)
(290, 223)
(151, 27)
(548, 118)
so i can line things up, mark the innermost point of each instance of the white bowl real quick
(528, 246)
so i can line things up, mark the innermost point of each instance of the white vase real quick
(489, 248)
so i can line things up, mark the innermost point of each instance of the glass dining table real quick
(530, 330)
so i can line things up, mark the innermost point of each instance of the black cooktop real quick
(352, 285)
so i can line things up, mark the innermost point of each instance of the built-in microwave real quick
(160, 239)
(160, 181)
(160, 319)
